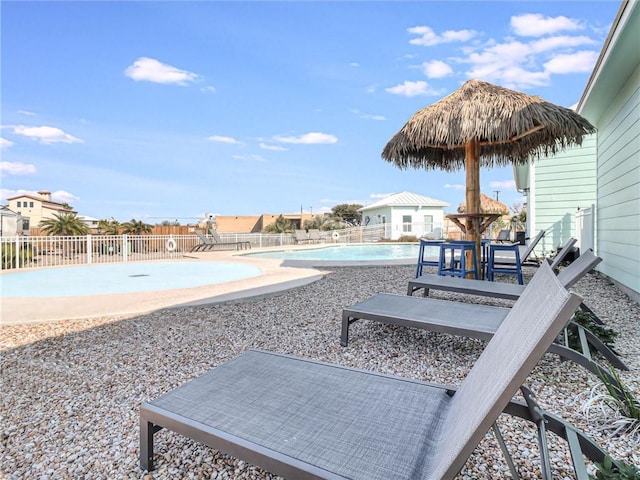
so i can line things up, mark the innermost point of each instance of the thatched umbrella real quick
(481, 124)
(487, 205)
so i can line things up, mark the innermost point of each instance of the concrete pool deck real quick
(275, 277)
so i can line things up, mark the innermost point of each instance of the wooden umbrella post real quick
(472, 166)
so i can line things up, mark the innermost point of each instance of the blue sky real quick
(167, 110)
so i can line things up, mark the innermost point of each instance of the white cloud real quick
(223, 139)
(411, 89)
(504, 184)
(4, 143)
(559, 42)
(208, 89)
(25, 112)
(249, 158)
(368, 116)
(151, 70)
(517, 64)
(46, 134)
(536, 25)
(436, 69)
(455, 186)
(582, 61)
(275, 148)
(308, 138)
(354, 64)
(428, 38)
(16, 168)
(64, 197)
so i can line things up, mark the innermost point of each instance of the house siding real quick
(618, 180)
(560, 186)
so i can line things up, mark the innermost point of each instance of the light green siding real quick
(618, 214)
(559, 186)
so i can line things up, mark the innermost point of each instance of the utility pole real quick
(497, 192)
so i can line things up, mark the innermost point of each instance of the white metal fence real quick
(24, 252)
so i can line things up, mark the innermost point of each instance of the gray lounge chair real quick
(525, 254)
(314, 235)
(504, 236)
(510, 291)
(301, 236)
(205, 243)
(304, 419)
(238, 244)
(562, 253)
(470, 320)
(209, 244)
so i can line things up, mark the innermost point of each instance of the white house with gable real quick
(406, 213)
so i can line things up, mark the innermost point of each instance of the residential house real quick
(406, 213)
(37, 208)
(12, 224)
(256, 223)
(593, 192)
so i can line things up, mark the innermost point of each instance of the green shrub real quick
(9, 256)
(605, 335)
(608, 470)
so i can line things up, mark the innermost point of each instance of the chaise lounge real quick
(472, 321)
(304, 419)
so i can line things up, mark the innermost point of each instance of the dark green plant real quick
(605, 335)
(281, 225)
(9, 256)
(65, 224)
(136, 227)
(628, 405)
(610, 470)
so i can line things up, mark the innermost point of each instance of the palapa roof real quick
(510, 126)
(487, 205)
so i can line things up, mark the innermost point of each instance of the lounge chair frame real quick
(301, 418)
(209, 244)
(568, 277)
(153, 419)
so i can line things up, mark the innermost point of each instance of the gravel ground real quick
(71, 390)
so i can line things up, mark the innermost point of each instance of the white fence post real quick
(125, 248)
(17, 252)
(89, 252)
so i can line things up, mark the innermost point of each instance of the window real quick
(406, 223)
(428, 223)
(31, 204)
(20, 204)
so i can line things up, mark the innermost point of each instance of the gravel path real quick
(71, 390)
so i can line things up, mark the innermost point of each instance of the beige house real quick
(256, 223)
(37, 208)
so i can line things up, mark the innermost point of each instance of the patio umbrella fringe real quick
(511, 127)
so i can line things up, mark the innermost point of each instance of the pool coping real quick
(275, 278)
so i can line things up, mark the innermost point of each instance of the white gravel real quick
(71, 390)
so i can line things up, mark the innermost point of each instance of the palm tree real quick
(281, 225)
(64, 224)
(109, 227)
(323, 222)
(136, 227)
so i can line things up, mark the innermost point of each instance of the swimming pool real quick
(354, 253)
(121, 278)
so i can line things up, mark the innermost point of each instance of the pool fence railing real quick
(22, 252)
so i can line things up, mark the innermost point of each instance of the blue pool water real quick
(378, 251)
(121, 278)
